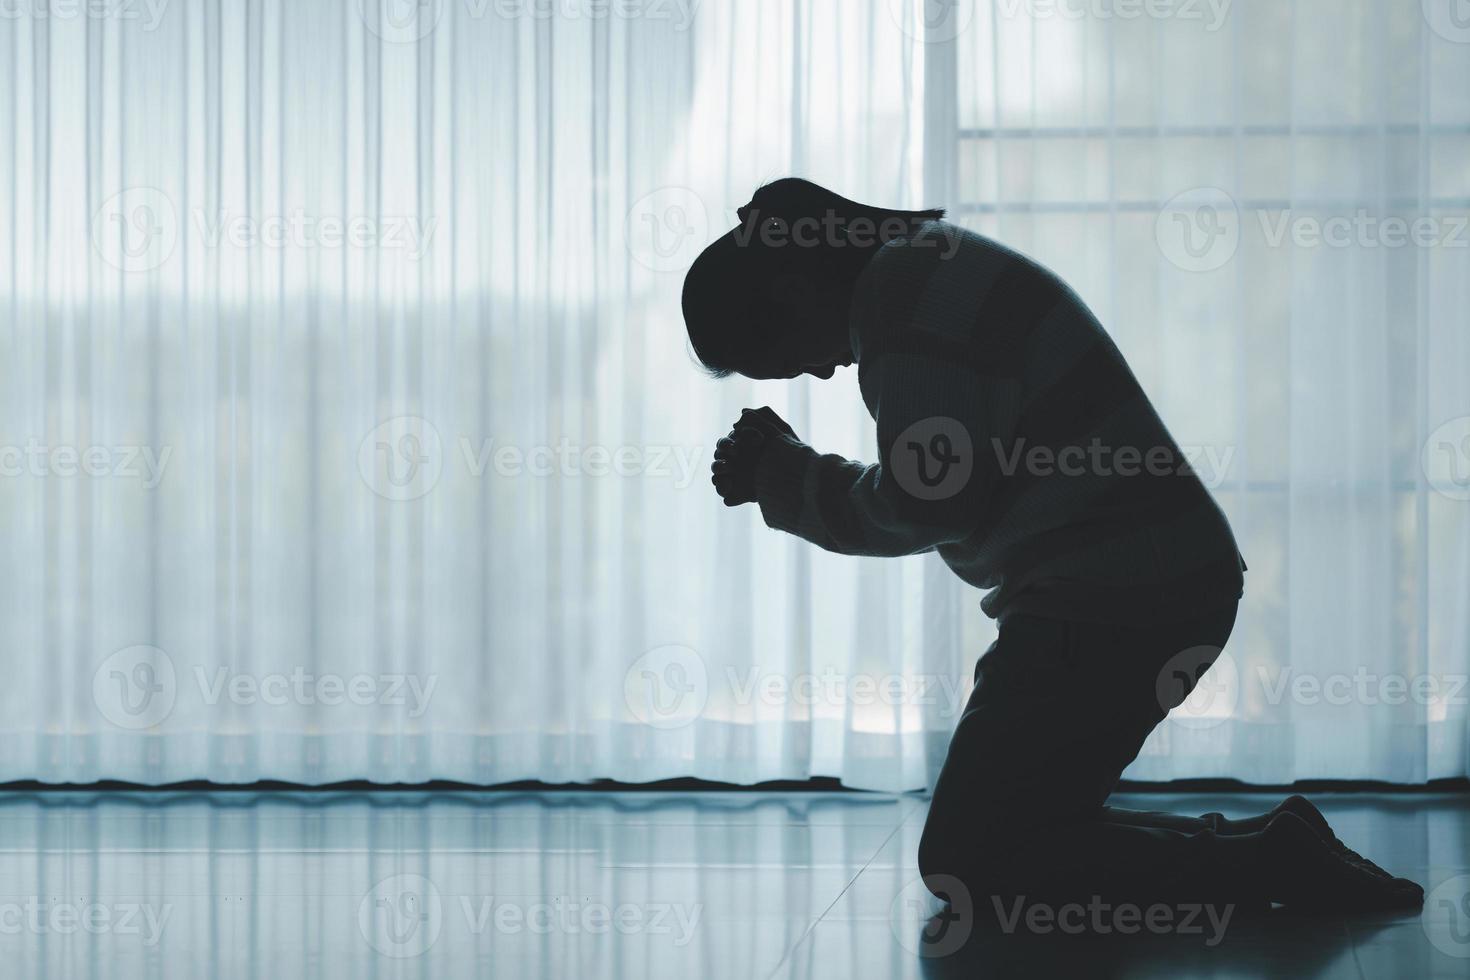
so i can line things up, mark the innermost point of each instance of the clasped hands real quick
(739, 452)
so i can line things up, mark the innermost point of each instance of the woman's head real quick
(771, 298)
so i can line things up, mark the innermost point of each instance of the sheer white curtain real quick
(364, 321)
(1267, 203)
(348, 429)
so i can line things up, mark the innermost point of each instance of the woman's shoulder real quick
(931, 268)
(919, 253)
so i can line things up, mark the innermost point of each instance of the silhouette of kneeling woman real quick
(1014, 441)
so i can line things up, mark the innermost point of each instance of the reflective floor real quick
(635, 885)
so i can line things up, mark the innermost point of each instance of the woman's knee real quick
(935, 852)
(955, 847)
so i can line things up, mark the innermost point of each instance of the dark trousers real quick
(1058, 710)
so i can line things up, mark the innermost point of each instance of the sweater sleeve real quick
(938, 422)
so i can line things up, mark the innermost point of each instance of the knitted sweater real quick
(1013, 440)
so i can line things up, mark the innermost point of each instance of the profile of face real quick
(765, 324)
(810, 334)
(772, 297)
